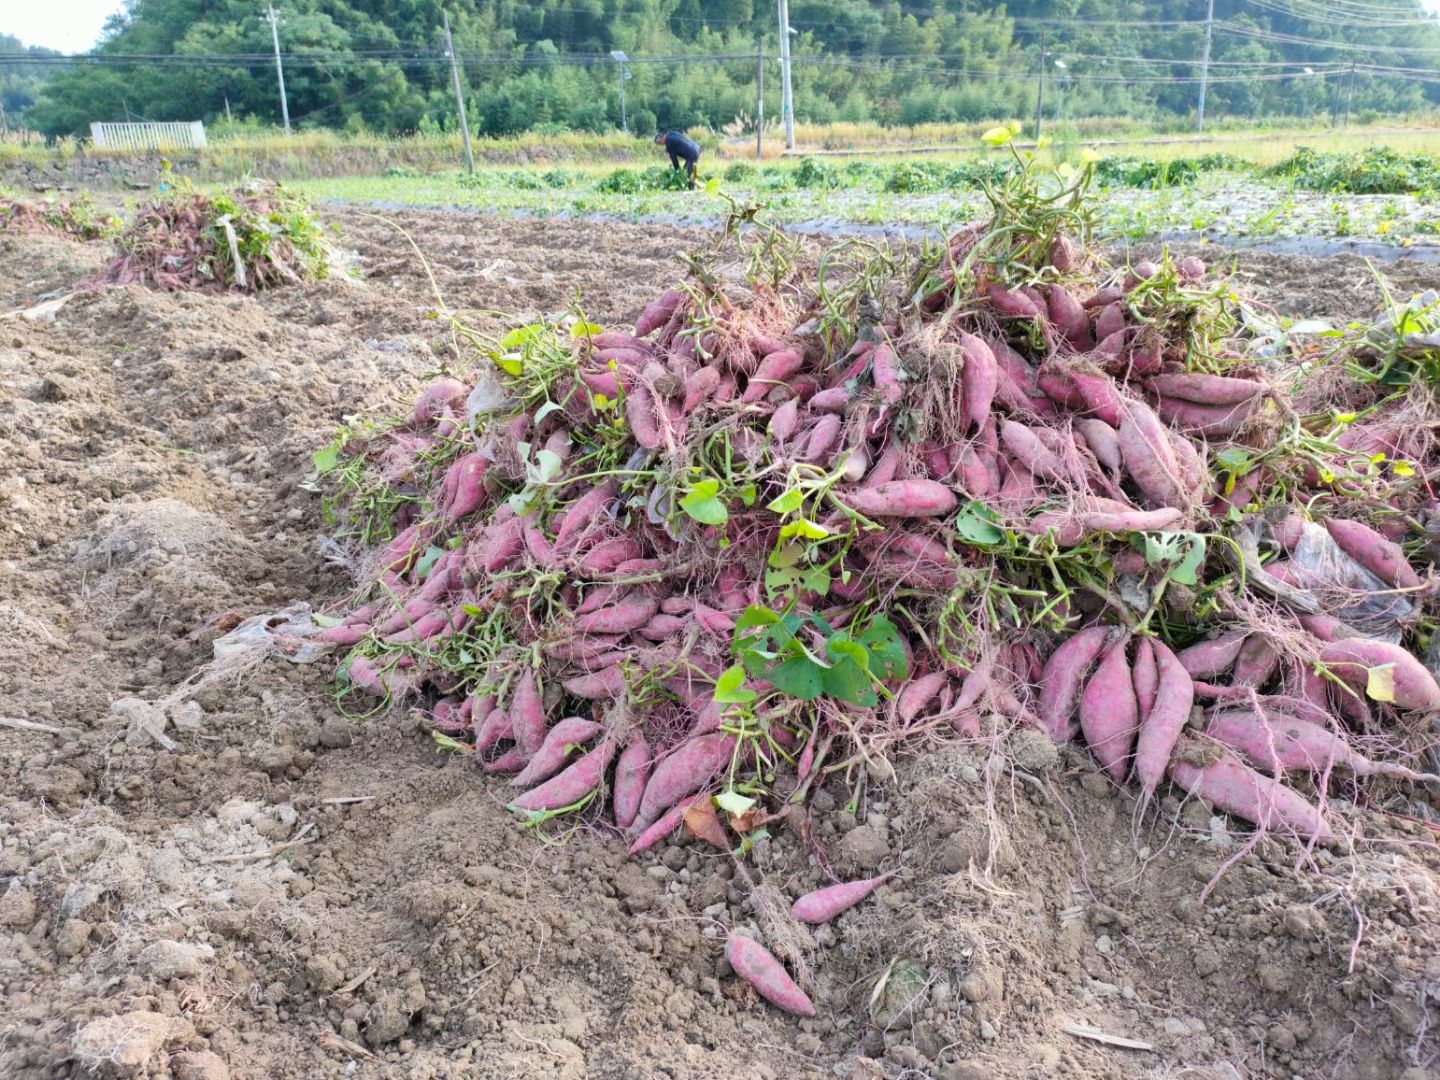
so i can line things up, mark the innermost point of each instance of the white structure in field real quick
(174, 136)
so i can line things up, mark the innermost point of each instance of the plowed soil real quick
(154, 921)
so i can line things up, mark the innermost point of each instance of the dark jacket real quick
(680, 149)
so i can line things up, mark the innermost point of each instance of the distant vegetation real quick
(543, 65)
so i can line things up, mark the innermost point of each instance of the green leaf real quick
(585, 329)
(747, 494)
(510, 364)
(1380, 683)
(976, 523)
(787, 502)
(804, 528)
(1233, 458)
(733, 802)
(998, 136)
(817, 580)
(729, 687)
(547, 465)
(323, 621)
(520, 335)
(426, 561)
(1185, 570)
(799, 677)
(545, 410)
(887, 654)
(326, 458)
(706, 510)
(848, 678)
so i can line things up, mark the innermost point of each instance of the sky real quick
(68, 25)
(74, 25)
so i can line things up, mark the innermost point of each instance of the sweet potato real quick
(605, 556)
(1148, 455)
(438, 396)
(1214, 420)
(1034, 455)
(658, 312)
(1102, 440)
(1111, 320)
(916, 694)
(1014, 305)
(605, 383)
(632, 771)
(1206, 659)
(774, 369)
(1146, 677)
(1069, 318)
(493, 729)
(832, 400)
(902, 499)
(822, 439)
(578, 780)
(1099, 395)
(1278, 743)
(1128, 521)
(511, 761)
(822, 905)
(885, 370)
(1063, 677)
(584, 512)
(618, 339)
(599, 686)
(785, 420)
(1109, 713)
(699, 387)
(1206, 389)
(527, 712)
(885, 467)
(1165, 720)
(629, 614)
(1235, 787)
(382, 682)
(754, 963)
(1383, 558)
(682, 772)
(1256, 661)
(663, 627)
(1352, 658)
(979, 380)
(642, 416)
(549, 759)
(344, 634)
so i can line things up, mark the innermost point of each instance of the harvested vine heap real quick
(780, 528)
(256, 237)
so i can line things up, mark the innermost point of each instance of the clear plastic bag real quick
(1346, 589)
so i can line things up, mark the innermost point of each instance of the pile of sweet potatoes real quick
(1061, 492)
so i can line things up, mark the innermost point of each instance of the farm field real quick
(1344, 198)
(279, 881)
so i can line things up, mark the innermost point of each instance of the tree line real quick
(544, 64)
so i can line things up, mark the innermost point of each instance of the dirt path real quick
(151, 922)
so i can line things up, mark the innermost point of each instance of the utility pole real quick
(227, 108)
(620, 60)
(1040, 86)
(759, 98)
(1350, 94)
(459, 95)
(787, 93)
(1205, 67)
(279, 68)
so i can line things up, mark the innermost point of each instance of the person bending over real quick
(680, 148)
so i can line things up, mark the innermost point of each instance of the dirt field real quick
(154, 448)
